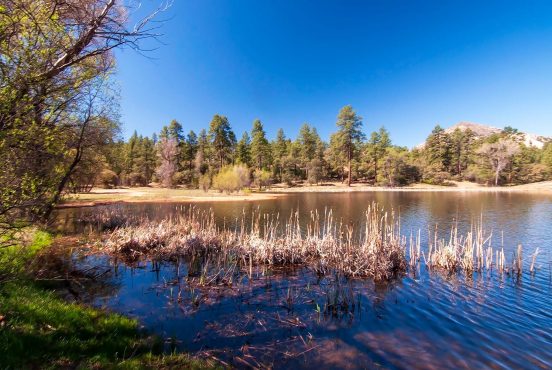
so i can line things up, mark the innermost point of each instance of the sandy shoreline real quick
(157, 195)
(540, 188)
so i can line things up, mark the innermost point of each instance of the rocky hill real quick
(483, 131)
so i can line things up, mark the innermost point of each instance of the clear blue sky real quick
(407, 65)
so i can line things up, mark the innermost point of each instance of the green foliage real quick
(547, 155)
(262, 178)
(346, 141)
(438, 150)
(231, 179)
(376, 150)
(222, 139)
(243, 150)
(108, 179)
(260, 149)
(397, 169)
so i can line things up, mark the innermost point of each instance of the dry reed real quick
(377, 250)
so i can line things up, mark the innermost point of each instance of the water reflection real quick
(297, 319)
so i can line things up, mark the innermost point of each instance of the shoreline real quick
(98, 197)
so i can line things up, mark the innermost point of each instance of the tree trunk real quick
(349, 175)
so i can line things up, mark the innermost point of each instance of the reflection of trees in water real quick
(77, 277)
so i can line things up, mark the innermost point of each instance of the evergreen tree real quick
(189, 151)
(280, 148)
(309, 146)
(243, 150)
(349, 135)
(260, 149)
(175, 131)
(461, 151)
(547, 155)
(377, 148)
(222, 139)
(438, 149)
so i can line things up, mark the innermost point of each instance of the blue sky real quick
(406, 65)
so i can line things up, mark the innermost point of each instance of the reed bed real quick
(376, 250)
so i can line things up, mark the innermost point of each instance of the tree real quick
(167, 151)
(243, 150)
(175, 131)
(437, 149)
(461, 143)
(189, 149)
(222, 139)
(55, 57)
(547, 155)
(499, 155)
(260, 149)
(349, 135)
(280, 149)
(377, 147)
(308, 146)
(145, 162)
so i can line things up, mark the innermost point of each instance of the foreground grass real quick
(38, 329)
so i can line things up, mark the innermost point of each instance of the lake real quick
(286, 318)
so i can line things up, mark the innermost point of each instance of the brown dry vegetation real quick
(377, 251)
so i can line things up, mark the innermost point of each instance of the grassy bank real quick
(39, 329)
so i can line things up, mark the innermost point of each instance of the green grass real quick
(38, 329)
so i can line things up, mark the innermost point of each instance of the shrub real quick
(231, 179)
(108, 179)
(314, 171)
(204, 182)
(261, 178)
(433, 175)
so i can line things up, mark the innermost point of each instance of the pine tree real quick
(377, 147)
(189, 151)
(349, 135)
(280, 149)
(222, 139)
(243, 150)
(260, 149)
(175, 131)
(438, 149)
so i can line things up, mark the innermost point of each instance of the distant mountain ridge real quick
(482, 131)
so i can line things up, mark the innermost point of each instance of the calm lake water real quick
(422, 320)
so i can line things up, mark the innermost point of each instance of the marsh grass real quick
(376, 249)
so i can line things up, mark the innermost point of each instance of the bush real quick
(204, 182)
(231, 179)
(108, 179)
(262, 178)
(435, 176)
(314, 170)
(479, 174)
(534, 172)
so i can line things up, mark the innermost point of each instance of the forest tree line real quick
(216, 158)
(60, 130)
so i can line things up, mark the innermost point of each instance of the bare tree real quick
(167, 150)
(499, 154)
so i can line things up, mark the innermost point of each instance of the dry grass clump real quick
(377, 251)
(470, 253)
